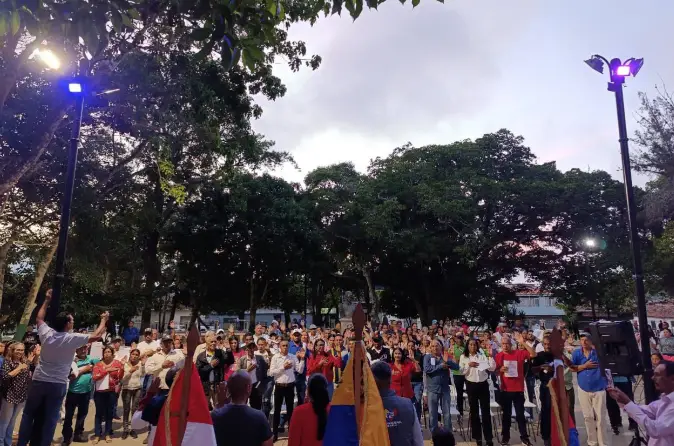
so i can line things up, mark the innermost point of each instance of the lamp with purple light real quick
(618, 71)
(623, 70)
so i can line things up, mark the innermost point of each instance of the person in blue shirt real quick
(437, 366)
(295, 346)
(130, 334)
(591, 391)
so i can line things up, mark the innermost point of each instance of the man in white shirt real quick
(164, 360)
(282, 369)
(259, 333)
(147, 346)
(50, 379)
(657, 418)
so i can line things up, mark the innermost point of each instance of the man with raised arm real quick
(50, 379)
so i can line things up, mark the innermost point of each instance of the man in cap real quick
(312, 333)
(147, 346)
(378, 352)
(163, 361)
(297, 348)
(401, 419)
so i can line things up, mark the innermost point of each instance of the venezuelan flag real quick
(556, 437)
(342, 427)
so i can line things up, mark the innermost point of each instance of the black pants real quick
(546, 416)
(530, 382)
(613, 409)
(459, 382)
(255, 398)
(79, 401)
(508, 400)
(478, 394)
(283, 393)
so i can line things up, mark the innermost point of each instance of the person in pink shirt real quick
(657, 418)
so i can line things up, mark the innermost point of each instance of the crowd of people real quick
(253, 381)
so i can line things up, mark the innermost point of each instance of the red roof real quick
(660, 310)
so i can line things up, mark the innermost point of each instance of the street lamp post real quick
(77, 89)
(588, 245)
(618, 71)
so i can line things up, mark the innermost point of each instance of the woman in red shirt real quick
(401, 374)
(307, 425)
(237, 353)
(324, 363)
(106, 375)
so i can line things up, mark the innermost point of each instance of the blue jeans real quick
(418, 388)
(8, 413)
(300, 388)
(43, 407)
(434, 401)
(331, 390)
(105, 408)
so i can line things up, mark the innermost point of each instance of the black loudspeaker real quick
(617, 347)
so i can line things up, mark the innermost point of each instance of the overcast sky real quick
(444, 72)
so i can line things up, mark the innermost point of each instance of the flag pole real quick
(192, 342)
(358, 319)
(557, 350)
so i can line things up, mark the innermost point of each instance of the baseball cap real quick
(434, 322)
(166, 337)
(312, 327)
(147, 331)
(296, 331)
(117, 339)
(220, 331)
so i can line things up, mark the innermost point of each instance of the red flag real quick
(199, 430)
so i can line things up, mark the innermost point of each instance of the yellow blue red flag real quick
(342, 427)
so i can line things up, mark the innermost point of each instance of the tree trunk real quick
(374, 301)
(4, 252)
(151, 263)
(107, 278)
(174, 306)
(40, 272)
(252, 305)
(8, 182)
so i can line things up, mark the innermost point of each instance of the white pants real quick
(593, 405)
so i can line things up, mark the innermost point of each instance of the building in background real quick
(536, 305)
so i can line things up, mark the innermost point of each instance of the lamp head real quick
(635, 65)
(75, 87)
(596, 64)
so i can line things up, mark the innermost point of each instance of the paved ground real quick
(619, 440)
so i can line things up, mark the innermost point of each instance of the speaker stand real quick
(637, 440)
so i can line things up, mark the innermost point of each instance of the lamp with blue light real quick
(75, 87)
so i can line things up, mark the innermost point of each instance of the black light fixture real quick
(618, 72)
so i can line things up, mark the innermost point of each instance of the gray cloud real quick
(395, 70)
